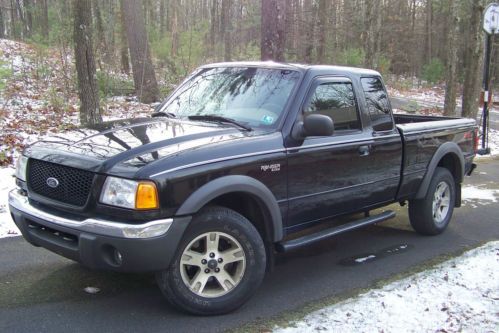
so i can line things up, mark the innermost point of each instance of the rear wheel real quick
(432, 214)
(220, 263)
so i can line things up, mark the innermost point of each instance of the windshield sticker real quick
(268, 120)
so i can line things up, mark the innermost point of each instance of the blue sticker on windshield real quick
(268, 120)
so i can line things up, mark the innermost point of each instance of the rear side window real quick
(377, 104)
(335, 100)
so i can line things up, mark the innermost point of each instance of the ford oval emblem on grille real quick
(52, 182)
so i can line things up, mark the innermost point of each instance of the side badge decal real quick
(271, 167)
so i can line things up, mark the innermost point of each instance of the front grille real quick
(73, 184)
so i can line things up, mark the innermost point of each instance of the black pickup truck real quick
(238, 160)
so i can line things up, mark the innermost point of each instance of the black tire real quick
(421, 213)
(221, 221)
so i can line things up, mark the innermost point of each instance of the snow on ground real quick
(36, 102)
(435, 94)
(478, 195)
(38, 99)
(7, 226)
(461, 294)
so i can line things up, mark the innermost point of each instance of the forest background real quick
(96, 49)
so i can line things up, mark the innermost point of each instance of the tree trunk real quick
(13, 20)
(309, 19)
(451, 66)
(162, 17)
(2, 25)
(429, 30)
(321, 44)
(20, 14)
(272, 30)
(472, 59)
(85, 64)
(372, 29)
(44, 19)
(213, 27)
(174, 28)
(100, 43)
(28, 15)
(227, 29)
(124, 59)
(146, 86)
(290, 24)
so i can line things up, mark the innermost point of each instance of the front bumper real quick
(97, 243)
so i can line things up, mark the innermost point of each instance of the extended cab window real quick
(377, 104)
(335, 100)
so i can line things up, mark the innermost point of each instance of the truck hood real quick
(128, 145)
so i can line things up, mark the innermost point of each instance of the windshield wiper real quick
(163, 114)
(220, 119)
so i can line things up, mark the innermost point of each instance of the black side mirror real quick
(313, 125)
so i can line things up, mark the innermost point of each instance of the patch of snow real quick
(459, 295)
(361, 260)
(7, 225)
(477, 195)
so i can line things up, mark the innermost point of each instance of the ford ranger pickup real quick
(243, 160)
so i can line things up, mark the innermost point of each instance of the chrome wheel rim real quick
(213, 264)
(441, 202)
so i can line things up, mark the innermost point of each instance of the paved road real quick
(40, 292)
(408, 104)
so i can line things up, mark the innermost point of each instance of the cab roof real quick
(316, 69)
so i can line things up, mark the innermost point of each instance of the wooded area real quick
(161, 41)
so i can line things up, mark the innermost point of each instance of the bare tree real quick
(163, 22)
(308, 16)
(174, 27)
(272, 30)
(2, 25)
(451, 66)
(44, 18)
(146, 86)
(100, 40)
(371, 33)
(85, 64)
(227, 28)
(472, 59)
(124, 59)
(323, 15)
(429, 30)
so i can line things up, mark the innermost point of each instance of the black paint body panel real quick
(310, 180)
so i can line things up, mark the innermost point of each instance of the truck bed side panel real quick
(422, 139)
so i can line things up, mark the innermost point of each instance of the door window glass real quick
(377, 104)
(337, 101)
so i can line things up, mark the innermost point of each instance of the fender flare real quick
(447, 148)
(230, 184)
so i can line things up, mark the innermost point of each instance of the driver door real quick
(333, 175)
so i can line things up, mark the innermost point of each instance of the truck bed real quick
(418, 123)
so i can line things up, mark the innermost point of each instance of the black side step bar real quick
(323, 234)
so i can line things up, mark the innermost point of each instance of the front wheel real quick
(432, 214)
(219, 265)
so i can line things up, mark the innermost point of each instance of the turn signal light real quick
(147, 196)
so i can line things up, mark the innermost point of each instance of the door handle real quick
(364, 150)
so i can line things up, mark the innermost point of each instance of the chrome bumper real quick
(92, 225)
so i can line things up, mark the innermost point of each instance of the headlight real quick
(129, 193)
(21, 164)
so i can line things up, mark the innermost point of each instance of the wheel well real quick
(251, 208)
(451, 163)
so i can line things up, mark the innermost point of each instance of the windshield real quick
(252, 96)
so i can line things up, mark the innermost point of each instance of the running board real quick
(323, 234)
